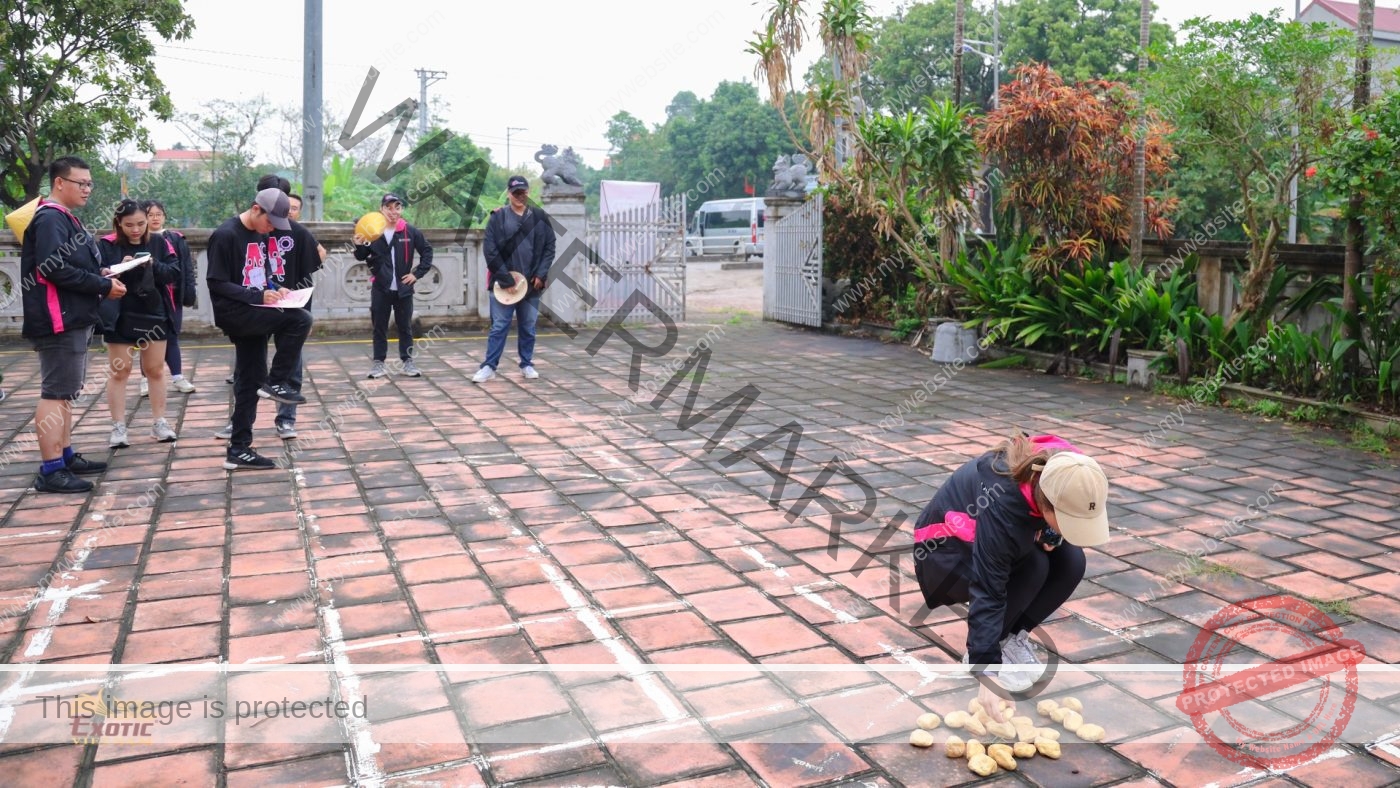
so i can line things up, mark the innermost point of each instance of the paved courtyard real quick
(548, 539)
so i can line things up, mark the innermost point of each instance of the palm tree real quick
(1140, 146)
(1353, 262)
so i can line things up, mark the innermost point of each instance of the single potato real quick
(1073, 704)
(1048, 747)
(1045, 707)
(975, 727)
(956, 719)
(1023, 750)
(1002, 754)
(1072, 721)
(921, 738)
(1027, 734)
(974, 706)
(1020, 721)
(1047, 733)
(954, 747)
(1002, 730)
(974, 748)
(928, 721)
(1089, 732)
(1058, 713)
(982, 766)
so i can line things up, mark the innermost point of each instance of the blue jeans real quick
(528, 311)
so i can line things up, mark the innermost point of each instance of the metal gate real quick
(792, 266)
(646, 246)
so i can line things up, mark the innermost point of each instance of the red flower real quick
(1309, 172)
(1371, 134)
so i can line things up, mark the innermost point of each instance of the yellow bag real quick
(370, 226)
(19, 218)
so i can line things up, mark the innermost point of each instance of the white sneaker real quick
(1017, 650)
(484, 374)
(184, 386)
(118, 439)
(377, 371)
(529, 372)
(225, 433)
(145, 388)
(162, 431)
(1010, 680)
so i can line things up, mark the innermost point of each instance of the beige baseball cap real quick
(1078, 489)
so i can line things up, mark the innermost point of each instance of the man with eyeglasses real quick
(63, 283)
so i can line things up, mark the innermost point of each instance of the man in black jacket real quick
(241, 288)
(519, 239)
(391, 275)
(63, 284)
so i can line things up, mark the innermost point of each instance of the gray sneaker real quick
(411, 369)
(226, 433)
(162, 431)
(118, 439)
(286, 430)
(377, 371)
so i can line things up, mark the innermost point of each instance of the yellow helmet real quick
(370, 226)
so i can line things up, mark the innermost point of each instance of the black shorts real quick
(160, 333)
(63, 363)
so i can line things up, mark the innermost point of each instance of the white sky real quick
(558, 69)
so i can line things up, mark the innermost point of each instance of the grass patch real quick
(1267, 408)
(1364, 438)
(905, 326)
(1340, 608)
(1010, 362)
(1199, 567)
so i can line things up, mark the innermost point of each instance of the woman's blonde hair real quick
(1024, 462)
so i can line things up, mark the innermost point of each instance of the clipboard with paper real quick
(294, 299)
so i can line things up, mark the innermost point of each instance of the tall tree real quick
(959, 18)
(912, 58)
(1356, 231)
(1237, 90)
(1081, 39)
(77, 74)
(1139, 149)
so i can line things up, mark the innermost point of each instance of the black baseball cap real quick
(516, 183)
(390, 199)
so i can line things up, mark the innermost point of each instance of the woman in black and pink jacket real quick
(1005, 535)
(140, 320)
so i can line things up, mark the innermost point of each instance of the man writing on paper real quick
(239, 277)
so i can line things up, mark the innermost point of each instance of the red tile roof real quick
(1387, 19)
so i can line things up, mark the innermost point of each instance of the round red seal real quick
(1209, 692)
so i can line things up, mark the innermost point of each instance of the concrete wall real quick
(452, 295)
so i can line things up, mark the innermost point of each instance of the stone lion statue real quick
(558, 170)
(790, 174)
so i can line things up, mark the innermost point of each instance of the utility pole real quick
(509, 129)
(312, 117)
(425, 78)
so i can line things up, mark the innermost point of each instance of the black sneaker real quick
(280, 392)
(248, 460)
(61, 481)
(82, 466)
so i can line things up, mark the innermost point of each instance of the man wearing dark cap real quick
(519, 251)
(241, 288)
(391, 276)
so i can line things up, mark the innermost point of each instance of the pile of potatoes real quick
(1018, 738)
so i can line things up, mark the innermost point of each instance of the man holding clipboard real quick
(240, 281)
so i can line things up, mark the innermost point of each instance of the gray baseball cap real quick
(277, 205)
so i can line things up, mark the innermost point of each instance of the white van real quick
(727, 227)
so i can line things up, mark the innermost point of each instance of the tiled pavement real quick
(528, 523)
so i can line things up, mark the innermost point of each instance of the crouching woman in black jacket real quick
(1005, 535)
(141, 319)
